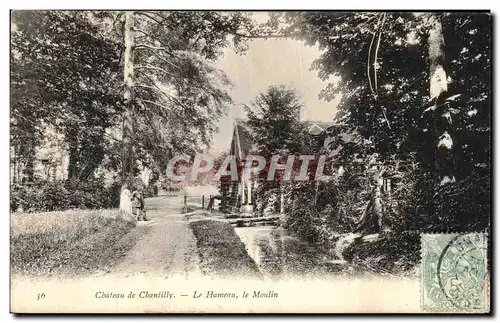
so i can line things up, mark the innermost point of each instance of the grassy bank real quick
(394, 253)
(72, 242)
(222, 254)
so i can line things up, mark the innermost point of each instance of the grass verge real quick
(222, 254)
(75, 242)
(395, 253)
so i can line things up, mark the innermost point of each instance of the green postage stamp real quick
(454, 272)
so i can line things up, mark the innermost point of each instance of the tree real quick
(63, 75)
(173, 83)
(70, 65)
(128, 117)
(384, 64)
(274, 117)
(276, 130)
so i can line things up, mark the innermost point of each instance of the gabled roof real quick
(243, 133)
(316, 127)
(315, 130)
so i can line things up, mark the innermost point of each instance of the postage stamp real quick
(454, 272)
(249, 162)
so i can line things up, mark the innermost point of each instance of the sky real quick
(271, 62)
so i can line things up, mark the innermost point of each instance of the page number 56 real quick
(40, 296)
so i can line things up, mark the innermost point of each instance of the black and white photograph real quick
(210, 161)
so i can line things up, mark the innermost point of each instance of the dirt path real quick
(164, 258)
(168, 249)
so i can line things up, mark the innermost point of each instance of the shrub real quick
(392, 253)
(151, 191)
(320, 211)
(59, 195)
(422, 204)
(305, 224)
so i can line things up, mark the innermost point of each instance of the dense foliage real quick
(420, 161)
(67, 82)
(59, 195)
(64, 75)
(381, 66)
(276, 131)
(393, 140)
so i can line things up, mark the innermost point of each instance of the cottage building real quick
(238, 194)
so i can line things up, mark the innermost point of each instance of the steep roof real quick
(316, 127)
(243, 132)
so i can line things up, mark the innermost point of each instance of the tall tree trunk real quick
(128, 115)
(378, 182)
(71, 137)
(28, 173)
(438, 87)
(282, 199)
(13, 164)
(437, 74)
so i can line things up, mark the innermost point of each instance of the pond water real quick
(280, 255)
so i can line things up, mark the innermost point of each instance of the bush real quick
(151, 191)
(305, 224)
(59, 195)
(394, 253)
(319, 212)
(424, 205)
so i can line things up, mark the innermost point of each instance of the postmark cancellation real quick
(454, 273)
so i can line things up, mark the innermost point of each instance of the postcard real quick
(250, 162)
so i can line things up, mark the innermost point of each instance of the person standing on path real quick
(138, 205)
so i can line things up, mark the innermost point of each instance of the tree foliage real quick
(274, 117)
(63, 74)
(67, 72)
(380, 64)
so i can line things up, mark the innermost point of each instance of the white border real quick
(190, 4)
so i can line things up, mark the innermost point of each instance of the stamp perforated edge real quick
(487, 279)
